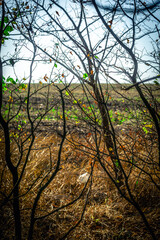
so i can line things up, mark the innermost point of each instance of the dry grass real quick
(107, 215)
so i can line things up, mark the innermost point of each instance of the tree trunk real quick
(16, 208)
(107, 135)
(14, 172)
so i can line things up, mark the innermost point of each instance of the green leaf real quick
(96, 56)
(6, 112)
(156, 82)
(85, 75)
(67, 93)
(6, 20)
(22, 86)
(11, 80)
(12, 62)
(117, 163)
(9, 28)
(4, 89)
(53, 110)
(6, 33)
(55, 65)
(145, 130)
(8, 79)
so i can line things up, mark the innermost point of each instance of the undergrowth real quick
(107, 214)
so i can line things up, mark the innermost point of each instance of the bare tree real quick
(91, 44)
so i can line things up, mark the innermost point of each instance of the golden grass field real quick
(107, 215)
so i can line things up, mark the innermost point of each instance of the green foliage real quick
(6, 20)
(7, 29)
(4, 88)
(11, 80)
(11, 61)
(22, 86)
(53, 110)
(19, 126)
(145, 130)
(156, 82)
(85, 75)
(117, 163)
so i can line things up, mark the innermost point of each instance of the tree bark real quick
(107, 135)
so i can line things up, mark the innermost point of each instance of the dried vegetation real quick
(107, 214)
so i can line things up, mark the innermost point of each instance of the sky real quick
(21, 69)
